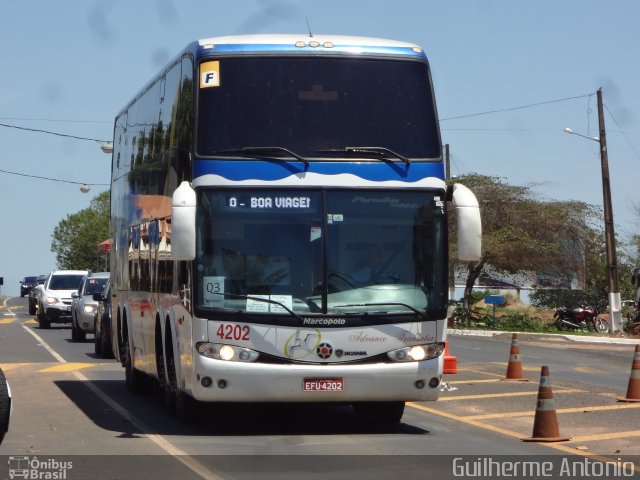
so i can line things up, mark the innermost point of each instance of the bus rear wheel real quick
(389, 412)
(178, 402)
(135, 379)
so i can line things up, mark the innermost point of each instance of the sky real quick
(69, 67)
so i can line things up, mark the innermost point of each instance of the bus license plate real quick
(323, 384)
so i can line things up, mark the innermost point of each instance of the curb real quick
(571, 338)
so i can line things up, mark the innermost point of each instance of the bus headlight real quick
(417, 353)
(229, 353)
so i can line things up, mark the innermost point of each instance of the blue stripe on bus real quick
(238, 170)
(355, 49)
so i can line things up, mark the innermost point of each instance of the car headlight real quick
(230, 353)
(417, 353)
(52, 300)
(89, 308)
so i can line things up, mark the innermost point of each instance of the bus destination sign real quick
(275, 202)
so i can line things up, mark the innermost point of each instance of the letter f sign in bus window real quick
(210, 74)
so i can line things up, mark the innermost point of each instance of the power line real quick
(517, 108)
(53, 133)
(52, 179)
(622, 131)
(58, 120)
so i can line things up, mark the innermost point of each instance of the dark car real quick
(26, 284)
(33, 293)
(102, 322)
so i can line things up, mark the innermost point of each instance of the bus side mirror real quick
(183, 223)
(469, 224)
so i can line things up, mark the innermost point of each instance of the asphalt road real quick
(70, 405)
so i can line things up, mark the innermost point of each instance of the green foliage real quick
(522, 234)
(75, 238)
(520, 322)
(476, 295)
(482, 319)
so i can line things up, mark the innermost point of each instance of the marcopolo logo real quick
(38, 469)
(324, 322)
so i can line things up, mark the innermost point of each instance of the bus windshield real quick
(316, 107)
(321, 251)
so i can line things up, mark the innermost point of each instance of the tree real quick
(75, 238)
(523, 234)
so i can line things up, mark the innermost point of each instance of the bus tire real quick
(171, 389)
(389, 412)
(5, 406)
(135, 379)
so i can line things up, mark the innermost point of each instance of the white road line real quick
(46, 346)
(160, 441)
(167, 446)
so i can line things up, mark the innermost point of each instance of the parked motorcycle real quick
(579, 318)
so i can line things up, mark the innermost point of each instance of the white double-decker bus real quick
(279, 225)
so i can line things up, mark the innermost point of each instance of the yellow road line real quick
(584, 369)
(558, 410)
(33, 320)
(8, 320)
(463, 420)
(67, 367)
(480, 371)
(487, 380)
(507, 394)
(606, 436)
(509, 433)
(524, 367)
(10, 366)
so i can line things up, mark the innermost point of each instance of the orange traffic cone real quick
(450, 361)
(633, 390)
(514, 367)
(545, 424)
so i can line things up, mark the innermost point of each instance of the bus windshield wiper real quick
(415, 310)
(262, 152)
(258, 299)
(378, 151)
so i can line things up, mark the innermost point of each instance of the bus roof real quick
(306, 43)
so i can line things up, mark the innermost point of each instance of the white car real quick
(54, 304)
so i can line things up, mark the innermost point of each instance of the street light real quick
(615, 303)
(107, 147)
(568, 130)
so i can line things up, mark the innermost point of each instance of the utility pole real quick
(447, 162)
(615, 303)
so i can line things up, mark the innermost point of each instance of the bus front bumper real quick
(222, 381)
